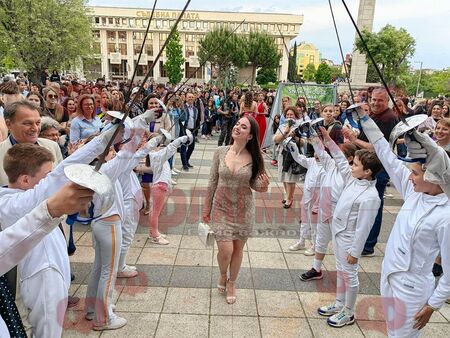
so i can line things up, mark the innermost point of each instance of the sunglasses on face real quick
(51, 96)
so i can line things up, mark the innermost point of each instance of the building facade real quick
(307, 53)
(119, 33)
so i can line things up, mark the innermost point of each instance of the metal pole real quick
(420, 75)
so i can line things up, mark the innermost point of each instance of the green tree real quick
(266, 75)
(431, 84)
(391, 49)
(324, 73)
(45, 33)
(309, 73)
(175, 59)
(224, 50)
(336, 71)
(292, 66)
(262, 52)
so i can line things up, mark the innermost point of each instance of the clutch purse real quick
(205, 234)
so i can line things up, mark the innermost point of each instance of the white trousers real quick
(45, 295)
(129, 226)
(403, 295)
(107, 241)
(347, 282)
(323, 237)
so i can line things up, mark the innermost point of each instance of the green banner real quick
(326, 94)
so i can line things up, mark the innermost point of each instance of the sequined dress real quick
(229, 199)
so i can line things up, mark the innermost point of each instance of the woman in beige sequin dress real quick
(237, 169)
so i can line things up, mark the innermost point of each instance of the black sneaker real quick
(311, 275)
(185, 168)
(368, 253)
(190, 166)
(437, 270)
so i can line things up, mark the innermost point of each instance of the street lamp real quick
(420, 75)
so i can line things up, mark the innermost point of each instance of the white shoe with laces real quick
(329, 310)
(297, 246)
(114, 324)
(174, 173)
(127, 272)
(341, 319)
(310, 251)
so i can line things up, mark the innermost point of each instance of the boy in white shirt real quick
(352, 220)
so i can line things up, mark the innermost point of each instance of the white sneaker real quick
(297, 246)
(329, 310)
(161, 240)
(341, 319)
(127, 273)
(114, 324)
(174, 173)
(310, 251)
(387, 195)
(175, 170)
(173, 182)
(132, 267)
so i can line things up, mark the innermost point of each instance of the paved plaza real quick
(175, 293)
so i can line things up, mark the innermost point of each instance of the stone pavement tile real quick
(284, 327)
(85, 240)
(202, 182)
(232, 326)
(187, 181)
(75, 325)
(245, 303)
(278, 303)
(375, 278)
(78, 227)
(139, 240)
(298, 261)
(187, 300)
(312, 301)
(381, 247)
(272, 279)
(191, 242)
(371, 264)
(263, 244)
(188, 257)
(73, 288)
(140, 325)
(326, 284)
(141, 299)
(182, 326)
(269, 260)
(84, 255)
(320, 328)
(81, 293)
(435, 330)
(445, 311)
(77, 235)
(367, 286)
(158, 255)
(191, 277)
(155, 275)
(372, 328)
(133, 255)
(244, 280)
(81, 271)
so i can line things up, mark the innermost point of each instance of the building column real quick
(366, 12)
(104, 55)
(156, 70)
(284, 61)
(130, 54)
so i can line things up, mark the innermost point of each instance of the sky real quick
(424, 20)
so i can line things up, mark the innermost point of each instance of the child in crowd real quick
(310, 199)
(330, 190)
(352, 220)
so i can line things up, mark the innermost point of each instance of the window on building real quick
(123, 48)
(158, 23)
(149, 49)
(96, 34)
(292, 28)
(171, 23)
(252, 27)
(97, 20)
(117, 20)
(162, 71)
(258, 26)
(110, 21)
(122, 36)
(189, 51)
(111, 47)
(191, 24)
(285, 27)
(142, 70)
(132, 22)
(205, 25)
(124, 21)
(193, 72)
(165, 23)
(185, 24)
(311, 59)
(272, 27)
(245, 27)
(111, 35)
(265, 27)
(199, 25)
(103, 21)
(213, 25)
(145, 23)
